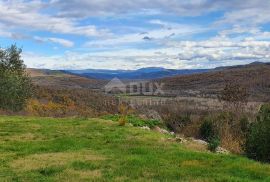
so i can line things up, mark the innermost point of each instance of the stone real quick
(221, 150)
(180, 139)
(202, 142)
(161, 130)
(145, 128)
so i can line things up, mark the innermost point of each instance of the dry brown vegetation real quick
(255, 77)
(70, 102)
(59, 79)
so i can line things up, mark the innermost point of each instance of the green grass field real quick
(44, 149)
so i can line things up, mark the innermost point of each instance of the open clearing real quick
(45, 149)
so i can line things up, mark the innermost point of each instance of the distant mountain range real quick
(197, 83)
(147, 73)
(140, 74)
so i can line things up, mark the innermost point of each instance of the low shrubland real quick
(51, 102)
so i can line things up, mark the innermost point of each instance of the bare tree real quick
(234, 96)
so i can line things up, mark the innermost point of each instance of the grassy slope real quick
(43, 149)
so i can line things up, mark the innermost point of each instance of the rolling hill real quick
(60, 79)
(255, 77)
(198, 83)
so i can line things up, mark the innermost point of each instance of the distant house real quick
(115, 86)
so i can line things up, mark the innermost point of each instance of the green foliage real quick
(213, 144)
(258, 140)
(207, 130)
(134, 120)
(264, 113)
(244, 125)
(16, 86)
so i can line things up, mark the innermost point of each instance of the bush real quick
(122, 121)
(124, 110)
(258, 140)
(207, 130)
(244, 125)
(213, 144)
(176, 122)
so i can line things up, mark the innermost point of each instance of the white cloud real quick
(21, 14)
(85, 8)
(179, 55)
(247, 17)
(166, 31)
(63, 42)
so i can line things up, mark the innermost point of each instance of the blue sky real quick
(125, 34)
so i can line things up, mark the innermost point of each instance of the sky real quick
(132, 34)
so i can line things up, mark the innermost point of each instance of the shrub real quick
(207, 130)
(258, 140)
(122, 121)
(264, 113)
(244, 125)
(176, 121)
(124, 110)
(213, 144)
(231, 131)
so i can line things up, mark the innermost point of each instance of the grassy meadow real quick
(46, 149)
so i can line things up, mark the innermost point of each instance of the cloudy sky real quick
(130, 34)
